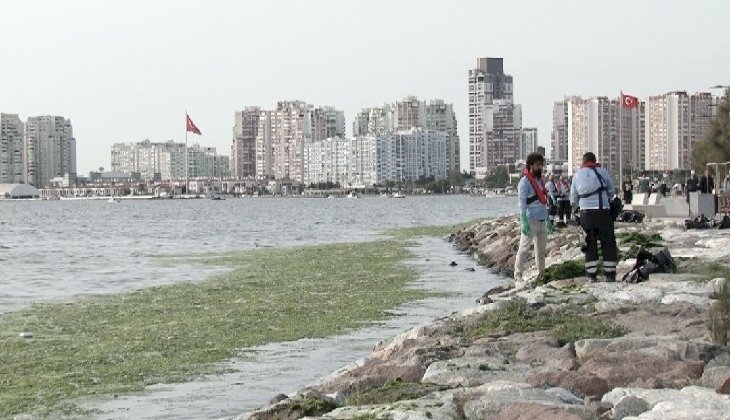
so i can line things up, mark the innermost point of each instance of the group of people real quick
(591, 190)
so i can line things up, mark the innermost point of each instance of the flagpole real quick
(187, 182)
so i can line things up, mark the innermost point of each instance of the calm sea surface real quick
(58, 250)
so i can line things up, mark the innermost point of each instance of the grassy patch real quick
(392, 391)
(433, 231)
(121, 343)
(707, 269)
(640, 239)
(566, 324)
(567, 270)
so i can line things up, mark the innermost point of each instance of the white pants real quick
(538, 235)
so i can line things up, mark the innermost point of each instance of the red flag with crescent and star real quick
(191, 127)
(629, 101)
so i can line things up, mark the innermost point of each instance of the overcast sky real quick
(128, 70)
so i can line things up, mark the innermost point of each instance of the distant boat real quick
(353, 195)
(216, 197)
(113, 200)
(384, 195)
(399, 195)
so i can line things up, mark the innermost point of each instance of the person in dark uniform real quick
(628, 189)
(592, 191)
(707, 183)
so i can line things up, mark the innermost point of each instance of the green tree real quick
(497, 177)
(715, 147)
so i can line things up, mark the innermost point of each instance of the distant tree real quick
(497, 177)
(715, 147)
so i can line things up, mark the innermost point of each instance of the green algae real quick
(120, 343)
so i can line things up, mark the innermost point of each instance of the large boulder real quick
(713, 287)
(370, 375)
(580, 383)
(532, 411)
(472, 371)
(692, 402)
(548, 356)
(493, 403)
(662, 347)
(629, 405)
(624, 369)
(723, 384)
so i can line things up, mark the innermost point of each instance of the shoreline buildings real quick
(655, 135)
(166, 161)
(36, 151)
(400, 142)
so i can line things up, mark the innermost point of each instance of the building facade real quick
(501, 135)
(166, 161)
(675, 122)
(410, 155)
(528, 143)
(243, 149)
(328, 160)
(559, 134)
(11, 149)
(488, 84)
(49, 149)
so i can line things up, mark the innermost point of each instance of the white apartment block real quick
(243, 149)
(166, 161)
(364, 160)
(409, 155)
(598, 125)
(559, 134)
(328, 160)
(11, 149)
(410, 112)
(283, 133)
(49, 149)
(487, 83)
(528, 142)
(675, 122)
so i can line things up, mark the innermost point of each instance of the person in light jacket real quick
(535, 224)
(592, 191)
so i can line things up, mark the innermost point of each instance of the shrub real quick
(719, 315)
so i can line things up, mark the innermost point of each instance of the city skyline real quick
(121, 75)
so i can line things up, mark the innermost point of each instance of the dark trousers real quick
(564, 209)
(598, 225)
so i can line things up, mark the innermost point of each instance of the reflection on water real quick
(59, 249)
(284, 367)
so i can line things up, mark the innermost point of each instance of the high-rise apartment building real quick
(283, 132)
(559, 134)
(603, 126)
(410, 155)
(49, 149)
(243, 149)
(166, 161)
(11, 149)
(528, 142)
(675, 122)
(410, 112)
(328, 160)
(488, 84)
(501, 135)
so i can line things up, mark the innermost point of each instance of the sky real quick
(128, 70)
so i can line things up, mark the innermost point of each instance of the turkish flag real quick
(629, 101)
(191, 127)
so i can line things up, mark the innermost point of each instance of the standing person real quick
(707, 183)
(726, 184)
(692, 183)
(593, 189)
(563, 199)
(534, 221)
(628, 189)
(552, 190)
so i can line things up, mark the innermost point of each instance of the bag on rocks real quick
(631, 216)
(699, 222)
(648, 261)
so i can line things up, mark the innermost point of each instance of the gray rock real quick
(721, 359)
(629, 406)
(564, 395)
(692, 402)
(713, 287)
(473, 371)
(338, 397)
(278, 398)
(712, 375)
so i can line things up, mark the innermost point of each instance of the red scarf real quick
(590, 165)
(539, 188)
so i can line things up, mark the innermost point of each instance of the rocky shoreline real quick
(563, 350)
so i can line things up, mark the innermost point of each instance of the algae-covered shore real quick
(114, 344)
